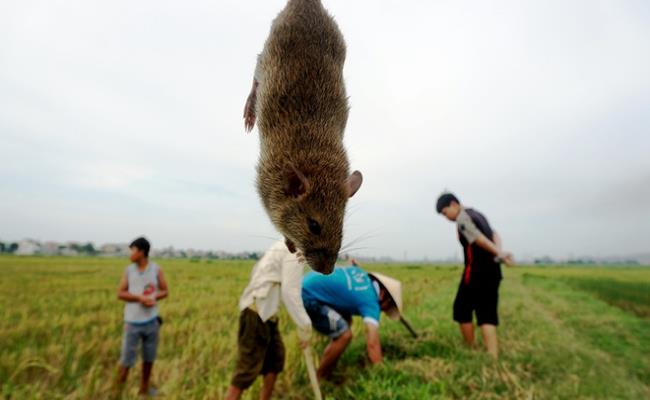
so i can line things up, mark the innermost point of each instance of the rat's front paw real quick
(301, 257)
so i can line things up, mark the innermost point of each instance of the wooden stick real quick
(311, 371)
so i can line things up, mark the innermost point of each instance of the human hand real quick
(304, 337)
(506, 258)
(147, 301)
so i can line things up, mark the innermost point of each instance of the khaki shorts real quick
(260, 349)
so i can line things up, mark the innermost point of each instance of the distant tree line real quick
(8, 248)
(33, 247)
(87, 249)
(81, 249)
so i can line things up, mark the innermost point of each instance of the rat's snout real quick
(321, 260)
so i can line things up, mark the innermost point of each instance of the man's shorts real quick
(260, 349)
(134, 334)
(482, 299)
(326, 320)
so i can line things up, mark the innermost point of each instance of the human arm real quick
(496, 238)
(291, 292)
(495, 248)
(486, 244)
(474, 236)
(123, 291)
(163, 289)
(124, 294)
(507, 258)
(373, 344)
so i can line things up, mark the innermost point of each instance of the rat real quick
(299, 102)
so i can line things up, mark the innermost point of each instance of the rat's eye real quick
(314, 227)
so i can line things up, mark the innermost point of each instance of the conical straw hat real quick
(394, 288)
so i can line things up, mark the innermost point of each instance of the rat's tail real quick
(301, 4)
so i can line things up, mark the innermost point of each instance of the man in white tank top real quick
(141, 286)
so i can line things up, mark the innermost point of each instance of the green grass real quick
(629, 296)
(566, 333)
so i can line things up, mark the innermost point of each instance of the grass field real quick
(566, 333)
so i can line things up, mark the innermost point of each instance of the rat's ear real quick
(353, 183)
(297, 184)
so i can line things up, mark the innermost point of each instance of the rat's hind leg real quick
(251, 101)
(249, 108)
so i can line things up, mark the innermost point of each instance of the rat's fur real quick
(302, 109)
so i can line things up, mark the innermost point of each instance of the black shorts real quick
(482, 299)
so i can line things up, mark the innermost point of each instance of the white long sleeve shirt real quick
(277, 276)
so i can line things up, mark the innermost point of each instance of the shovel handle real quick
(408, 326)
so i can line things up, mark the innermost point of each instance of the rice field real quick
(566, 333)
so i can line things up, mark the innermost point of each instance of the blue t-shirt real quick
(348, 290)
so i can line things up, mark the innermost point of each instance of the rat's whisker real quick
(358, 240)
(350, 211)
(371, 234)
(358, 248)
(355, 242)
(265, 237)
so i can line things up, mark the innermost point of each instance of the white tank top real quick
(141, 283)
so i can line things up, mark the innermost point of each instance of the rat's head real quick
(312, 218)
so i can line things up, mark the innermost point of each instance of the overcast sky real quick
(123, 118)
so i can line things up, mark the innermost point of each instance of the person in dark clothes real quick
(478, 291)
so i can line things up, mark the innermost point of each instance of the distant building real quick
(166, 252)
(68, 251)
(191, 253)
(50, 248)
(545, 260)
(28, 247)
(114, 249)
